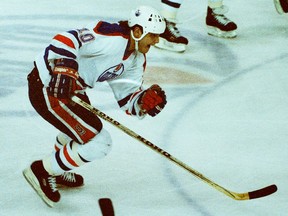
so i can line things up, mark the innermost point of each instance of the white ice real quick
(226, 116)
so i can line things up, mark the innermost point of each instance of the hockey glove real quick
(63, 79)
(152, 100)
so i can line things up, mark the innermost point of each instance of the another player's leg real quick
(171, 39)
(217, 23)
(281, 6)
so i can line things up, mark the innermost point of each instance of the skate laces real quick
(222, 19)
(173, 29)
(68, 176)
(218, 14)
(52, 183)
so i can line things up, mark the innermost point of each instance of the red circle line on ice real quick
(165, 75)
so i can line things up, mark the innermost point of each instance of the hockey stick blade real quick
(236, 196)
(266, 191)
(263, 192)
(106, 207)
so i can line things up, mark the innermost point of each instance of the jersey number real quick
(85, 35)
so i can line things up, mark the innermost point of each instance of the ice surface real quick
(226, 115)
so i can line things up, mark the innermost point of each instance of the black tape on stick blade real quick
(106, 207)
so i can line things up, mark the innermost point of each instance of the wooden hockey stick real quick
(236, 196)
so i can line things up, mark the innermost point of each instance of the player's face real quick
(148, 41)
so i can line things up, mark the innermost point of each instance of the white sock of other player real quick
(215, 3)
(170, 9)
(73, 154)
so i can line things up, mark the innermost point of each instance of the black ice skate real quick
(281, 6)
(69, 179)
(218, 24)
(171, 39)
(43, 183)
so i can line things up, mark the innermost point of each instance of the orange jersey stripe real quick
(68, 158)
(65, 40)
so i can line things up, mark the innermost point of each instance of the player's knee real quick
(98, 147)
(88, 135)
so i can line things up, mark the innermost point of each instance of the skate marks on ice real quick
(37, 30)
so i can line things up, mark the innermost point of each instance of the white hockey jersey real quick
(101, 51)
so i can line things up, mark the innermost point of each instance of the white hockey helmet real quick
(149, 19)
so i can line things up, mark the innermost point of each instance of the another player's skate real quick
(43, 183)
(281, 6)
(69, 179)
(218, 24)
(171, 39)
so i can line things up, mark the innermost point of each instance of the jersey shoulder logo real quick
(111, 73)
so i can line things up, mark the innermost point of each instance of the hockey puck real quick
(106, 207)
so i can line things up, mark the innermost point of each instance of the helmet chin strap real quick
(137, 39)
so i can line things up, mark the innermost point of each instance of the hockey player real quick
(281, 6)
(74, 61)
(217, 24)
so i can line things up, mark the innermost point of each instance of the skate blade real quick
(166, 45)
(219, 33)
(33, 181)
(278, 7)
